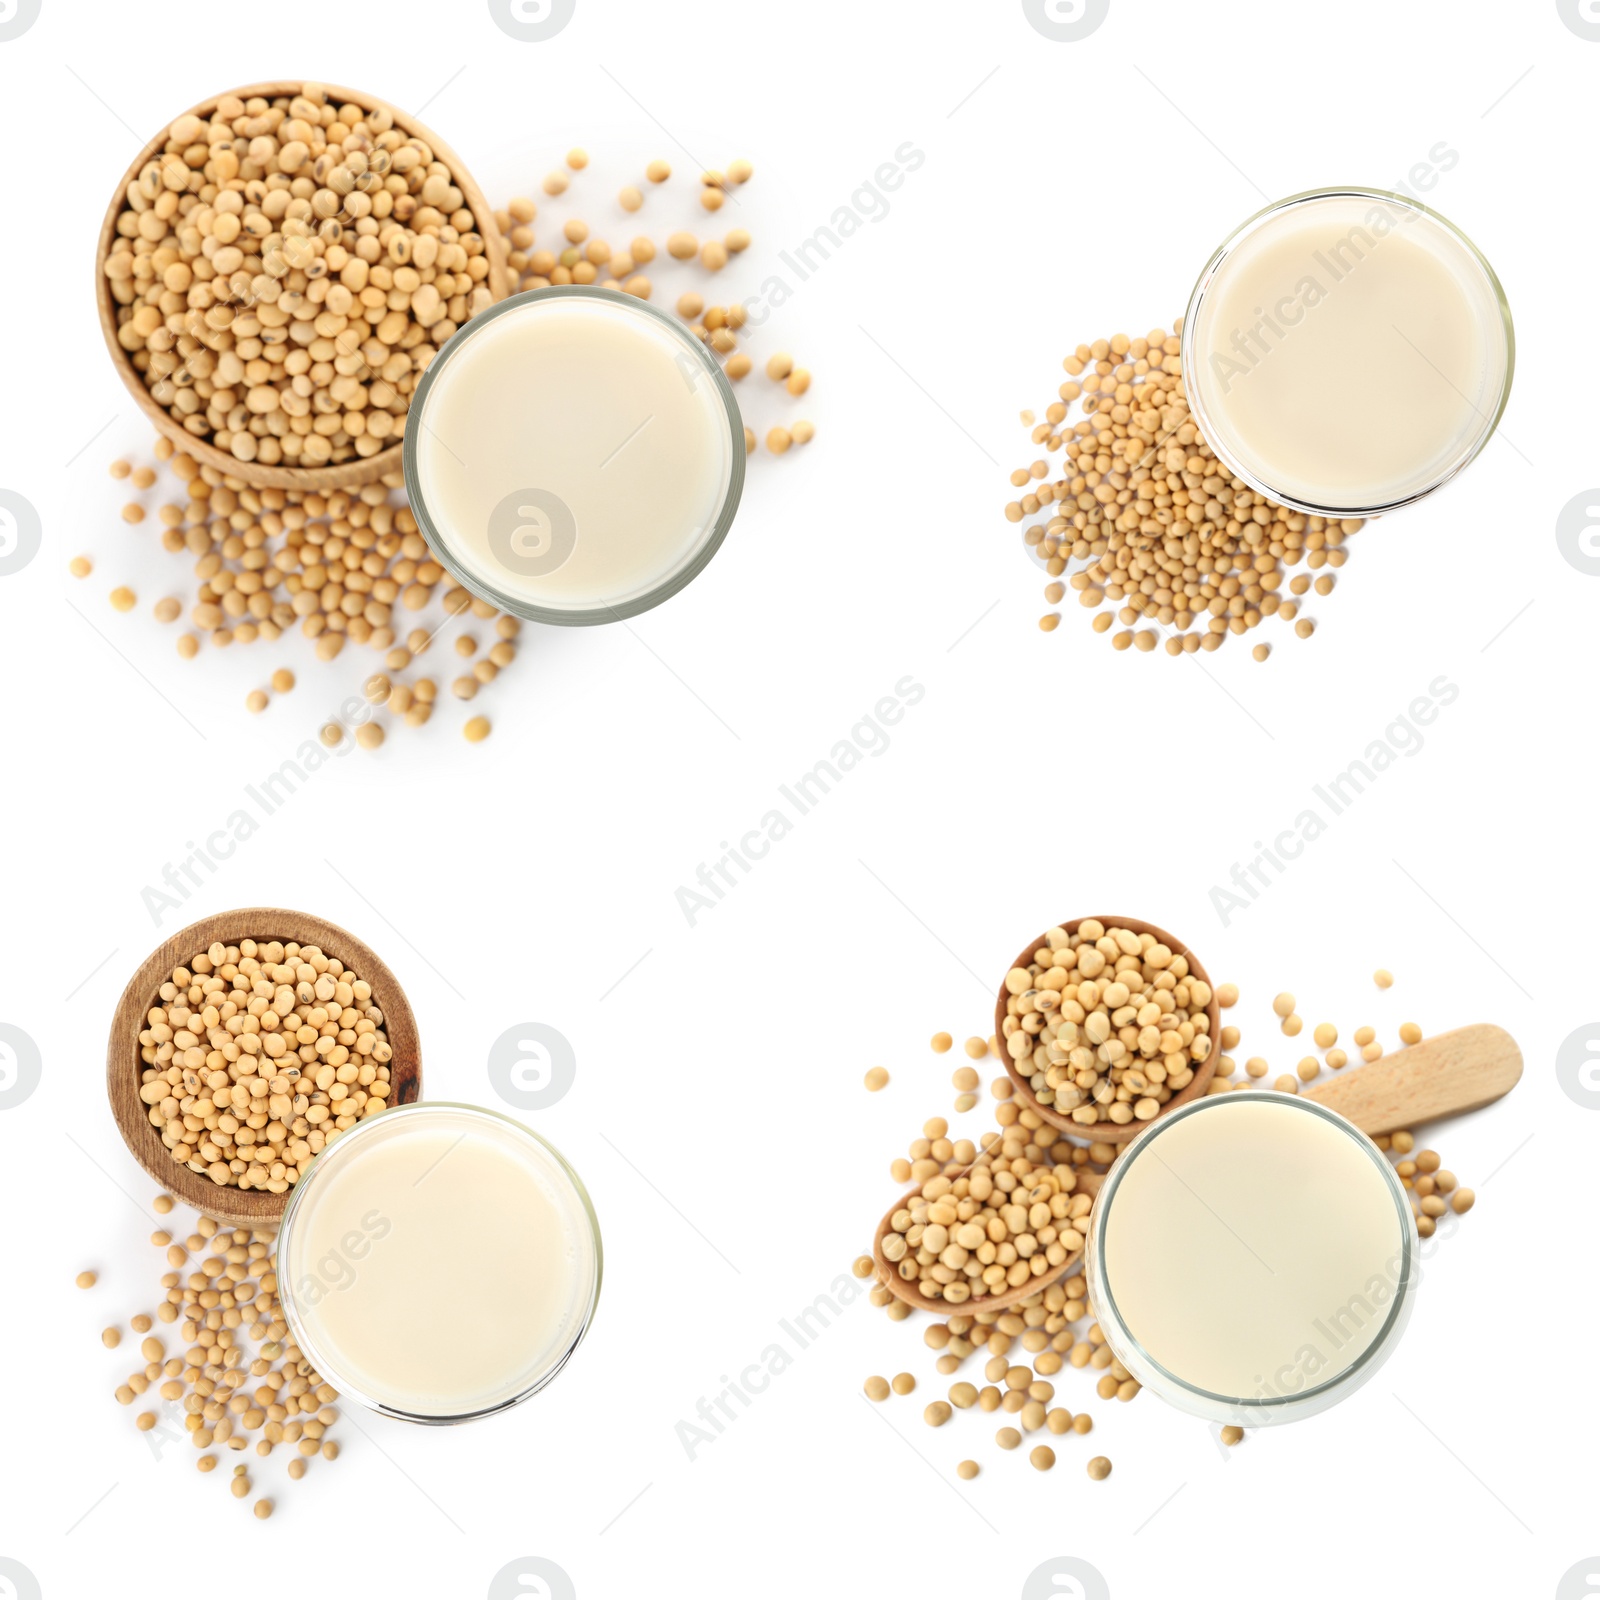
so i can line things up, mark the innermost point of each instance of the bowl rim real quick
(251, 1208)
(334, 475)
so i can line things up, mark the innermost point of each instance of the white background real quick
(1069, 190)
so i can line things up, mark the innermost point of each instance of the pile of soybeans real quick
(1162, 533)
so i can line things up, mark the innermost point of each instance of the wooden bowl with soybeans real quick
(349, 243)
(186, 1063)
(1083, 1074)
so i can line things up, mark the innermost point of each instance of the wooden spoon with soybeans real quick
(888, 1273)
(1451, 1073)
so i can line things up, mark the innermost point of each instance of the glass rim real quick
(308, 1345)
(576, 616)
(1254, 1409)
(1194, 383)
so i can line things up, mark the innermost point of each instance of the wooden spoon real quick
(1441, 1077)
(1111, 1132)
(1088, 1183)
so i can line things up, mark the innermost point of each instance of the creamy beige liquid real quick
(1348, 351)
(1253, 1248)
(572, 452)
(439, 1262)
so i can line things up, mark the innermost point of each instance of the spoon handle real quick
(1440, 1077)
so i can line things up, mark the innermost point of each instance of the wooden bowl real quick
(340, 475)
(1088, 1183)
(246, 1208)
(1112, 1132)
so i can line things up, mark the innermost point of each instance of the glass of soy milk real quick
(574, 455)
(1347, 351)
(1252, 1258)
(439, 1262)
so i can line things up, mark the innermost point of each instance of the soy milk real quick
(439, 1261)
(573, 452)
